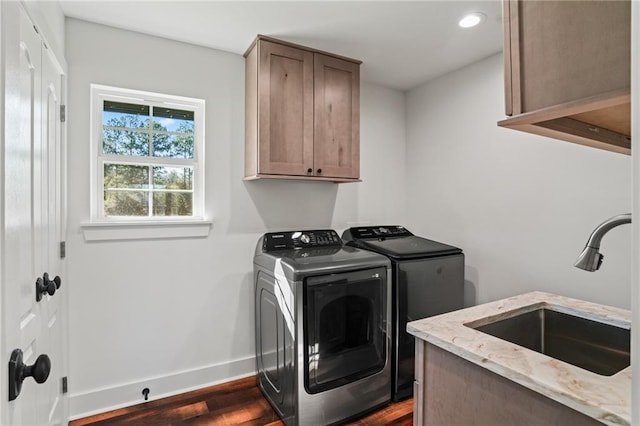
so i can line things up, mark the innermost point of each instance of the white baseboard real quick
(101, 400)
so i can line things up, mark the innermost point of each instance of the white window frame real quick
(120, 227)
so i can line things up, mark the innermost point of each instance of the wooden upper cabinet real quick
(337, 117)
(285, 106)
(568, 70)
(302, 116)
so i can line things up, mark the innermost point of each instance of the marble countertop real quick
(605, 398)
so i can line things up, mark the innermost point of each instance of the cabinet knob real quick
(319, 171)
(309, 170)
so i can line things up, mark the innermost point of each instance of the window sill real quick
(138, 230)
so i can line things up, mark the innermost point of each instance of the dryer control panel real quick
(300, 239)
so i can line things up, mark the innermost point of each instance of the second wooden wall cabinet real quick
(302, 113)
(568, 70)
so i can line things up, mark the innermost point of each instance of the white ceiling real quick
(401, 44)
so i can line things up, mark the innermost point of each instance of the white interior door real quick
(32, 226)
(52, 313)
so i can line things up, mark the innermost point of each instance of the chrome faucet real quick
(590, 259)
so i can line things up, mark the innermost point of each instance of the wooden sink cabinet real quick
(449, 390)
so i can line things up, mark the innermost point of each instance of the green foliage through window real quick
(132, 133)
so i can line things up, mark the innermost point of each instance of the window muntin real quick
(149, 155)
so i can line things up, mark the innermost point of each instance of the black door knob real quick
(57, 281)
(18, 371)
(42, 288)
(45, 285)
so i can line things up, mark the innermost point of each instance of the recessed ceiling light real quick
(472, 19)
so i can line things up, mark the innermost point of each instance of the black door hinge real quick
(63, 249)
(65, 384)
(63, 113)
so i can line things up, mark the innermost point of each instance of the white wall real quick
(175, 314)
(521, 206)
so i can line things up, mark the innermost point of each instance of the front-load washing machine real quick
(322, 316)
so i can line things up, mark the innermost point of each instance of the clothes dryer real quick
(322, 320)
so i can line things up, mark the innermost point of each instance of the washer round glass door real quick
(344, 328)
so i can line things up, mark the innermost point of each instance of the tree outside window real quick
(148, 159)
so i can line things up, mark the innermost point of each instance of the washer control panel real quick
(300, 239)
(379, 232)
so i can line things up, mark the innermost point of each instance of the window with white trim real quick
(148, 155)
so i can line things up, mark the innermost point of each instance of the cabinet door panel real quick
(285, 110)
(570, 50)
(567, 70)
(337, 117)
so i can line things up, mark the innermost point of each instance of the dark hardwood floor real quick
(235, 403)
